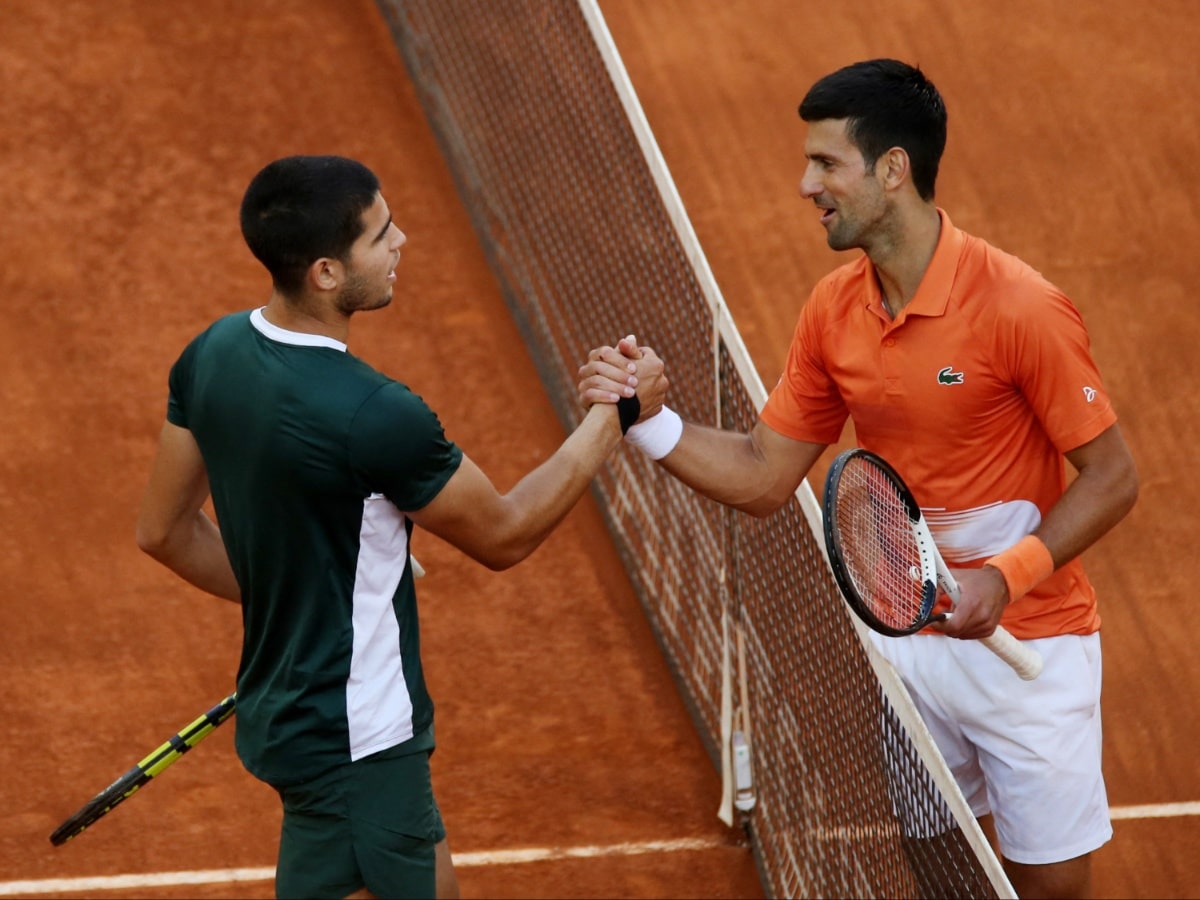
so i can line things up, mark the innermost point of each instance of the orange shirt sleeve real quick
(1049, 355)
(805, 404)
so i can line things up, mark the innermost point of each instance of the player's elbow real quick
(153, 541)
(767, 503)
(502, 563)
(147, 541)
(758, 509)
(1128, 488)
(1119, 484)
(503, 546)
(753, 498)
(504, 555)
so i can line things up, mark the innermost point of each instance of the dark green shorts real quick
(371, 823)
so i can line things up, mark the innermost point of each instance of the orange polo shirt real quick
(973, 393)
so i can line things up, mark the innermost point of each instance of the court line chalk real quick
(461, 860)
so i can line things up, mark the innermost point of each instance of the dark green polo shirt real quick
(312, 457)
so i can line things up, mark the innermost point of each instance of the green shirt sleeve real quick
(178, 384)
(399, 449)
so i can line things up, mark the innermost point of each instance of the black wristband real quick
(628, 410)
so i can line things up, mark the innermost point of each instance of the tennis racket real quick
(884, 558)
(153, 765)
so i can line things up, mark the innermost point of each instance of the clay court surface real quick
(130, 128)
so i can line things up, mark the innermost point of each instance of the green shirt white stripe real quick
(378, 706)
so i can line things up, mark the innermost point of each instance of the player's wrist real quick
(1024, 566)
(608, 414)
(628, 411)
(658, 435)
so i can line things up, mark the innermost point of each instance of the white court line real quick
(220, 876)
(127, 882)
(1154, 811)
(465, 860)
(538, 854)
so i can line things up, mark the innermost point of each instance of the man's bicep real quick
(1106, 454)
(178, 485)
(786, 459)
(464, 511)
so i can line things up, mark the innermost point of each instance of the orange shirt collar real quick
(933, 294)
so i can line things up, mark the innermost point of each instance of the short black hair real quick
(888, 104)
(301, 208)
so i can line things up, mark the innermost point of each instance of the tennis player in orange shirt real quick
(972, 375)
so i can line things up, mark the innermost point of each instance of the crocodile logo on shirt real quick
(948, 376)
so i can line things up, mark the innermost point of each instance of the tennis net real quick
(585, 232)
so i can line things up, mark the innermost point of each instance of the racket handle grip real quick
(1025, 661)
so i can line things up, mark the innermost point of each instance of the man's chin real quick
(363, 306)
(838, 243)
(382, 302)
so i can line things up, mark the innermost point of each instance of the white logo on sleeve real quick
(1089, 393)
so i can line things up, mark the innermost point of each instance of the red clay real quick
(130, 132)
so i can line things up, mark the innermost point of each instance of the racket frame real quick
(141, 774)
(926, 549)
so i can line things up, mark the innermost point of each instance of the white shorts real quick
(1026, 751)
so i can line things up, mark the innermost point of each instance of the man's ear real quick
(325, 274)
(894, 167)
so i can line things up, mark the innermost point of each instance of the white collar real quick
(296, 338)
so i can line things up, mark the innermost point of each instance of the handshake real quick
(633, 378)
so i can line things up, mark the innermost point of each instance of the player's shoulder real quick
(987, 266)
(391, 417)
(841, 289)
(389, 391)
(215, 336)
(229, 327)
(998, 284)
(846, 278)
(390, 400)
(229, 324)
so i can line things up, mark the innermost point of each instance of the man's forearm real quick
(541, 499)
(1102, 494)
(756, 473)
(1088, 510)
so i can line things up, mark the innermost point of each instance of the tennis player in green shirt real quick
(318, 467)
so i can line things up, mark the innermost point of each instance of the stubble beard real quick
(842, 238)
(356, 296)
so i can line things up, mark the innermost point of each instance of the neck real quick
(306, 317)
(901, 259)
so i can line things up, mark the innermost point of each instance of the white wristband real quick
(658, 435)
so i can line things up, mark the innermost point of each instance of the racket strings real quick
(879, 547)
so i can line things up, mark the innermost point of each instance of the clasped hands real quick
(625, 370)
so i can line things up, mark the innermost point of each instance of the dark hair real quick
(888, 104)
(301, 208)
